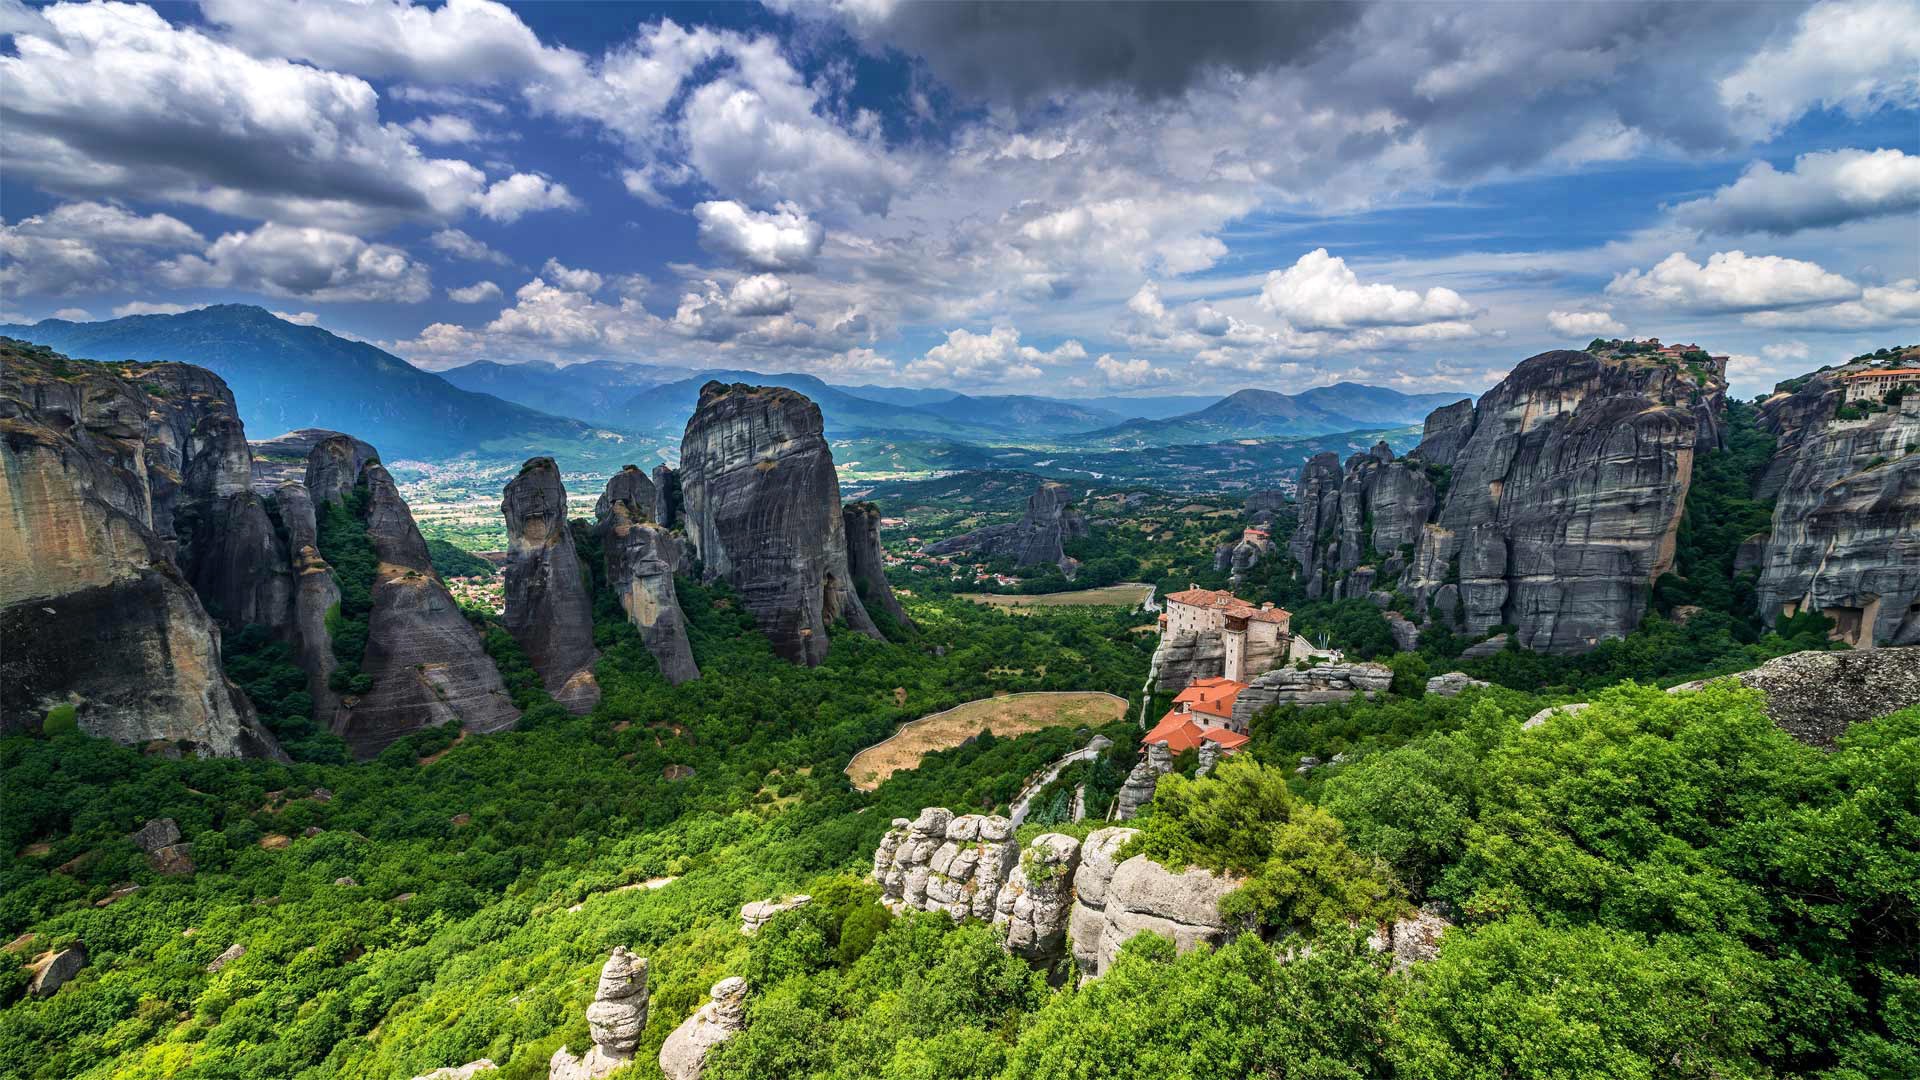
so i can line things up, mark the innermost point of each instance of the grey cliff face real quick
(548, 610)
(667, 498)
(1322, 684)
(940, 862)
(426, 662)
(641, 559)
(315, 592)
(867, 561)
(1845, 539)
(1038, 539)
(762, 506)
(1037, 899)
(334, 464)
(94, 609)
(1550, 505)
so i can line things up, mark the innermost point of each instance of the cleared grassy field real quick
(1010, 714)
(1129, 594)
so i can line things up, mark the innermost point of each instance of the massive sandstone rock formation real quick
(548, 610)
(615, 1019)
(1845, 536)
(867, 561)
(103, 468)
(762, 508)
(427, 663)
(1551, 505)
(1038, 539)
(641, 558)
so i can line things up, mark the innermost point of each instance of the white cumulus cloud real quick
(1584, 324)
(474, 293)
(1319, 292)
(1732, 281)
(306, 262)
(1824, 189)
(785, 239)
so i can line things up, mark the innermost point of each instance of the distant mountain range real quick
(596, 391)
(285, 376)
(288, 377)
(1322, 410)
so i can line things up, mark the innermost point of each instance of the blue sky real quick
(1046, 198)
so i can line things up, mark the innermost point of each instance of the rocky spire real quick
(548, 610)
(426, 662)
(1039, 538)
(641, 559)
(616, 1018)
(867, 561)
(762, 505)
(1138, 789)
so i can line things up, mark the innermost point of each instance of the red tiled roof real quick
(1211, 696)
(1222, 600)
(1866, 375)
(1181, 732)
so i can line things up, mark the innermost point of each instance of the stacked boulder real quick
(940, 862)
(160, 840)
(616, 1018)
(685, 1052)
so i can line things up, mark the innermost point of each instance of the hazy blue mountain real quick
(898, 395)
(285, 376)
(597, 391)
(664, 409)
(1016, 413)
(1157, 407)
(1255, 413)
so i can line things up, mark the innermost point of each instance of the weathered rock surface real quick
(1551, 711)
(94, 610)
(1317, 685)
(762, 505)
(758, 913)
(548, 610)
(52, 971)
(1413, 939)
(1452, 683)
(940, 862)
(1482, 649)
(1143, 896)
(315, 592)
(227, 956)
(1037, 899)
(1181, 659)
(1846, 523)
(1039, 538)
(1138, 789)
(460, 1072)
(160, 840)
(1087, 922)
(615, 1019)
(685, 1052)
(867, 561)
(668, 502)
(641, 559)
(1550, 505)
(426, 661)
(1814, 696)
